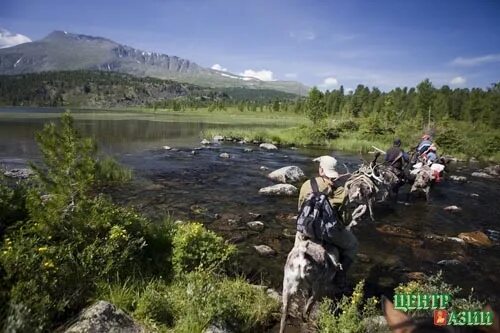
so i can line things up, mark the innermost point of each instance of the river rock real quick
(477, 238)
(417, 276)
(18, 173)
(254, 215)
(205, 142)
(218, 138)
(481, 174)
(268, 146)
(363, 258)
(273, 294)
(374, 324)
(452, 208)
(288, 174)
(458, 179)
(456, 239)
(167, 147)
(256, 225)
(247, 150)
(493, 170)
(193, 152)
(104, 317)
(279, 189)
(217, 328)
(449, 262)
(293, 148)
(264, 250)
(224, 155)
(237, 239)
(264, 168)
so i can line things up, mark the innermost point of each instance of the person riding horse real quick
(396, 158)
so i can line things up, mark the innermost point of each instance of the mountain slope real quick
(66, 51)
(100, 89)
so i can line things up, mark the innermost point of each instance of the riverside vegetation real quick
(464, 122)
(65, 245)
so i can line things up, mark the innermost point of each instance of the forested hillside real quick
(422, 104)
(109, 89)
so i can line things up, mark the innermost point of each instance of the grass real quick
(192, 302)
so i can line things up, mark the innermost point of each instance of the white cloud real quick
(329, 83)
(458, 81)
(476, 61)
(291, 75)
(218, 67)
(264, 74)
(302, 35)
(8, 39)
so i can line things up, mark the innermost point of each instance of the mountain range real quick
(63, 51)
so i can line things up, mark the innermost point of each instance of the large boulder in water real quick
(477, 238)
(288, 174)
(493, 170)
(268, 146)
(279, 189)
(480, 174)
(104, 317)
(264, 250)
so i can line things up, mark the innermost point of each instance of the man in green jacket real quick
(342, 239)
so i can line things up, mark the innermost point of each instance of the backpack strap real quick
(400, 155)
(314, 185)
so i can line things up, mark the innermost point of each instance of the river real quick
(223, 194)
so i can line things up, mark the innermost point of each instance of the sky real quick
(324, 43)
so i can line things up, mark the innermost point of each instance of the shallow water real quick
(223, 192)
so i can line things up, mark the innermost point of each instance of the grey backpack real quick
(317, 219)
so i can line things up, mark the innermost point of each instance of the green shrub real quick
(449, 140)
(154, 304)
(349, 314)
(195, 247)
(71, 238)
(491, 145)
(12, 205)
(347, 126)
(94, 241)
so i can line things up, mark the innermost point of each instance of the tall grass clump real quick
(200, 299)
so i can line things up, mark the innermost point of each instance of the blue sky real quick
(324, 43)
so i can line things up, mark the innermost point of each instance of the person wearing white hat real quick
(343, 239)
